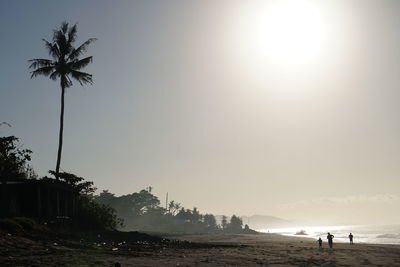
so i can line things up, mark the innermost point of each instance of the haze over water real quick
(371, 234)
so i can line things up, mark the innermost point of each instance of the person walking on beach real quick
(330, 239)
(351, 238)
(320, 242)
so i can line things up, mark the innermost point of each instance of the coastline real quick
(363, 234)
(199, 250)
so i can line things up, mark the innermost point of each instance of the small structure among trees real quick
(41, 199)
(47, 199)
(23, 196)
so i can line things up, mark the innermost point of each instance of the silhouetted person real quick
(320, 242)
(351, 238)
(330, 239)
(117, 264)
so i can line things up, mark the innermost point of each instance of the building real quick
(44, 200)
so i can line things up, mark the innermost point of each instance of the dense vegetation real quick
(136, 211)
(142, 211)
(14, 160)
(89, 214)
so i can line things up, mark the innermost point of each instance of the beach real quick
(277, 250)
(201, 250)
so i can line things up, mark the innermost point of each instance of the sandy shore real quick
(223, 250)
(277, 250)
(272, 250)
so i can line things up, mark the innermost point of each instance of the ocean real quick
(370, 234)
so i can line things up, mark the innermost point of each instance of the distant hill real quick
(258, 222)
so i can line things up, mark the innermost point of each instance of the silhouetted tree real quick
(145, 201)
(77, 183)
(235, 224)
(196, 216)
(173, 207)
(64, 65)
(210, 221)
(14, 160)
(184, 215)
(106, 198)
(132, 206)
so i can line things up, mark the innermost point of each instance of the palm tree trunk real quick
(60, 137)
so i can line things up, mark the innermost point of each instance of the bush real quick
(90, 215)
(18, 225)
(95, 216)
(26, 223)
(10, 226)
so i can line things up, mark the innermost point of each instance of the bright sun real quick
(284, 34)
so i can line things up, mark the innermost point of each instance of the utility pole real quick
(166, 202)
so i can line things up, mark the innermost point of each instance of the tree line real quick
(143, 211)
(136, 211)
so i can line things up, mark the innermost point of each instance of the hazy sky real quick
(285, 108)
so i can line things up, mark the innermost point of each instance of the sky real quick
(284, 108)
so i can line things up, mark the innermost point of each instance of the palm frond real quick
(54, 75)
(72, 34)
(75, 53)
(69, 80)
(64, 27)
(82, 77)
(79, 64)
(63, 45)
(52, 49)
(40, 62)
(65, 81)
(45, 71)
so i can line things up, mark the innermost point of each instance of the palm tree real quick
(64, 65)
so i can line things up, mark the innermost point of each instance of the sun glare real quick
(283, 34)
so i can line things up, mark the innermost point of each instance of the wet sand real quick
(214, 250)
